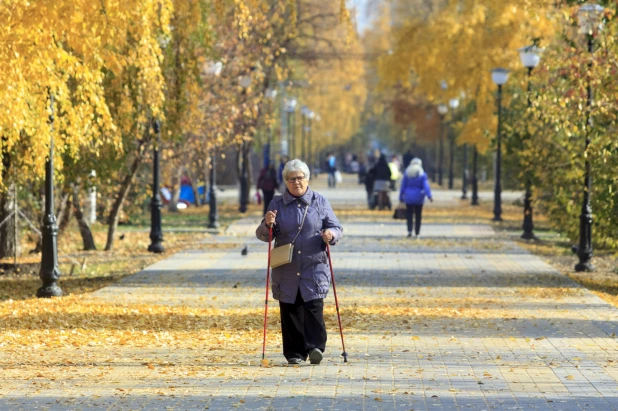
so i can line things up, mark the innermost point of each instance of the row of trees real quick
(201, 67)
(448, 51)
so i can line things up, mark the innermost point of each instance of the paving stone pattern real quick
(528, 337)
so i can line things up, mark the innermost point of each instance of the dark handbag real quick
(400, 212)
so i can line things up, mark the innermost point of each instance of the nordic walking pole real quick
(332, 275)
(270, 238)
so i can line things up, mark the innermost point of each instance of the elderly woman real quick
(414, 189)
(301, 285)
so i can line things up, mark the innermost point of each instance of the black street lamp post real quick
(435, 162)
(589, 16)
(245, 83)
(156, 232)
(499, 77)
(475, 179)
(441, 156)
(442, 110)
(213, 215)
(290, 108)
(303, 131)
(451, 162)
(307, 120)
(453, 103)
(271, 94)
(244, 182)
(584, 251)
(530, 58)
(50, 273)
(309, 141)
(290, 141)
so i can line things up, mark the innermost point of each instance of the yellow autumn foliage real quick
(460, 42)
(64, 48)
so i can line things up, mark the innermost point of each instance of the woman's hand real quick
(269, 218)
(327, 236)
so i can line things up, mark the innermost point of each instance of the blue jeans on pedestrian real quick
(332, 182)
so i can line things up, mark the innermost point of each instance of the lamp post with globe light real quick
(213, 215)
(311, 117)
(290, 108)
(304, 113)
(590, 19)
(530, 57)
(49, 273)
(156, 232)
(271, 94)
(499, 76)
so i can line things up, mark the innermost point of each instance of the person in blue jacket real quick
(414, 189)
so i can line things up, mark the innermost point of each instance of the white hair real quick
(415, 169)
(296, 165)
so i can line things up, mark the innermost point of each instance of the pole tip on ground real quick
(264, 363)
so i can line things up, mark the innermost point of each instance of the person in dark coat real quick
(407, 158)
(301, 285)
(382, 179)
(267, 182)
(414, 189)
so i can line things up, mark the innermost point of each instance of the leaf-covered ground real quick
(428, 323)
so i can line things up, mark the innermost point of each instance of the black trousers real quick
(302, 327)
(268, 197)
(414, 211)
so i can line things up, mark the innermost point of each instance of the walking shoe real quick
(295, 361)
(409, 235)
(417, 237)
(315, 356)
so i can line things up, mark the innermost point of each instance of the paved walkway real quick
(461, 319)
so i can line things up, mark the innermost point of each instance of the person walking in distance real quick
(393, 165)
(414, 189)
(381, 184)
(305, 219)
(331, 168)
(267, 182)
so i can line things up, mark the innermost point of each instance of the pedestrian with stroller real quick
(414, 189)
(305, 219)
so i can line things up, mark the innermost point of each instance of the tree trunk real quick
(64, 211)
(8, 246)
(121, 196)
(249, 166)
(173, 204)
(82, 221)
(243, 163)
(195, 187)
